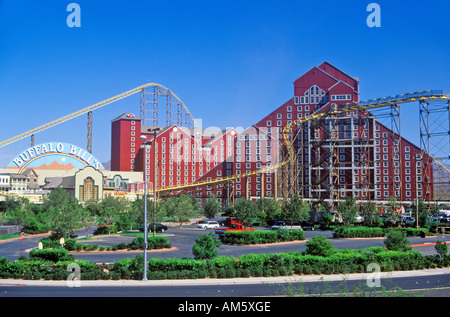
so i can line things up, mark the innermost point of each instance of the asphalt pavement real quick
(182, 240)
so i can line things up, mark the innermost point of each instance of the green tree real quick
(87, 220)
(19, 214)
(121, 204)
(205, 247)
(348, 210)
(245, 210)
(212, 207)
(295, 210)
(56, 198)
(370, 214)
(181, 207)
(65, 218)
(136, 211)
(327, 219)
(423, 212)
(391, 210)
(11, 203)
(109, 216)
(270, 207)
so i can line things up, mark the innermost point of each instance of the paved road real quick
(182, 239)
(434, 283)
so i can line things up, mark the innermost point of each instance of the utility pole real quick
(154, 182)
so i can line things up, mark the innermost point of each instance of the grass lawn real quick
(9, 236)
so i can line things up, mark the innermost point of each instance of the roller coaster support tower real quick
(158, 90)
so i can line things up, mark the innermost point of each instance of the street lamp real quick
(145, 146)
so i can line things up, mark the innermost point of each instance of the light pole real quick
(154, 183)
(145, 146)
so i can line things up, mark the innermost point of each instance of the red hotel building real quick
(350, 154)
(183, 155)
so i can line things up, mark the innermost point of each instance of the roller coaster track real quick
(365, 105)
(92, 108)
(349, 107)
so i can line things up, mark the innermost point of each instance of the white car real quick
(208, 225)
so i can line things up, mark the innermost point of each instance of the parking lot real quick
(182, 239)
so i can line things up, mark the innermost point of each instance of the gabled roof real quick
(289, 102)
(322, 68)
(126, 116)
(326, 64)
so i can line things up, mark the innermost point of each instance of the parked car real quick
(208, 225)
(285, 225)
(306, 225)
(234, 227)
(159, 228)
(272, 222)
(230, 221)
(409, 221)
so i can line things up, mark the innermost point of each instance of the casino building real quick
(44, 167)
(350, 154)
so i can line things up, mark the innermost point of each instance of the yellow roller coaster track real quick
(349, 107)
(91, 108)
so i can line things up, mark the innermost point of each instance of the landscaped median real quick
(54, 264)
(154, 243)
(263, 236)
(375, 232)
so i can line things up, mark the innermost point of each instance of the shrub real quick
(280, 264)
(263, 237)
(153, 243)
(50, 244)
(319, 245)
(53, 255)
(358, 232)
(441, 248)
(396, 240)
(205, 247)
(106, 229)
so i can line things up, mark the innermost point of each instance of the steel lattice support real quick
(321, 146)
(434, 160)
(175, 111)
(89, 132)
(396, 158)
(149, 105)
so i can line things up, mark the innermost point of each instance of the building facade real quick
(337, 155)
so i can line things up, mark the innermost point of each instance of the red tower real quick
(125, 143)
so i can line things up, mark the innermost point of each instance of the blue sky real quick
(231, 62)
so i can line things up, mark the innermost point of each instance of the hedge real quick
(374, 232)
(250, 265)
(262, 236)
(154, 243)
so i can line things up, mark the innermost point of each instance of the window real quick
(88, 191)
(341, 97)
